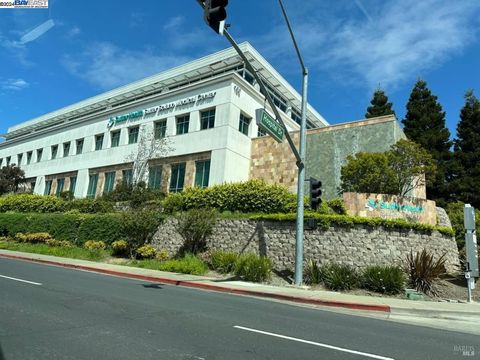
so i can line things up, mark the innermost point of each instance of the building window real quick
(115, 138)
(178, 177)
(202, 172)
(109, 182)
(39, 155)
(98, 142)
(66, 149)
(92, 186)
(54, 151)
(73, 184)
(133, 135)
(243, 124)
(32, 186)
(1, 161)
(261, 133)
(48, 187)
(19, 159)
(160, 129)
(127, 176)
(29, 157)
(79, 146)
(155, 177)
(8, 160)
(60, 185)
(182, 124)
(207, 119)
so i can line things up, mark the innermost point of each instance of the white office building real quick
(204, 109)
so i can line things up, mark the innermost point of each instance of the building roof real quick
(220, 62)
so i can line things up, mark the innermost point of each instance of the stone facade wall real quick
(359, 246)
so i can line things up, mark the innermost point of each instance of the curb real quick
(210, 287)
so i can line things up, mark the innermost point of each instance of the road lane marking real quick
(373, 356)
(25, 281)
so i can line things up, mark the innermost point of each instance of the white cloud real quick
(74, 31)
(106, 66)
(174, 23)
(403, 39)
(14, 84)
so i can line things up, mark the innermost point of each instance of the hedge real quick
(32, 203)
(249, 196)
(73, 227)
(325, 221)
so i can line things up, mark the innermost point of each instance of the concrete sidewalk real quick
(464, 313)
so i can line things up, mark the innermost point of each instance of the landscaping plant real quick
(339, 277)
(312, 274)
(384, 279)
(146, 252)
(423, 270)
(252, 267)
(194, 226)
(223, 261)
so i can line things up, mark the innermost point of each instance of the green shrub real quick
(4, 239)
(423, 270)
(20, 237)
(67, 195)
(146, 252)
(311, 273)
(384, 279)
(190, 264)
(194, 226)
(136, 196)
(162, 255)
(31, 203)
(139, 226)
(250, 196)
(252, 267)
(339, 277)
(223, 261)
(105, 227)
(35, 238)
(337, 206)
(120, 248)
(59, 243)
(93, 245)
(90, 206)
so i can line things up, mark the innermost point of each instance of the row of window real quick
(177, 178)
(207, 121)
(60, 186)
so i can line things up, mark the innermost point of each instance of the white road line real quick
(315, 343)
(25, 281)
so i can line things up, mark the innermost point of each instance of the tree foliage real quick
(379, 105)
(466, 182)
(397, 171)
(424, 124)
(11, 178)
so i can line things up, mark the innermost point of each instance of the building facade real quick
(193, 125)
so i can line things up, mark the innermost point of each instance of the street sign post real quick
(268, 124)
(471, 271)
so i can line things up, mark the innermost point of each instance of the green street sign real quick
(268, 124)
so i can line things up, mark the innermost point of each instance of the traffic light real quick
(315, 193)
(215, 14)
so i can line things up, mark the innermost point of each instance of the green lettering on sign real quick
(268, 124)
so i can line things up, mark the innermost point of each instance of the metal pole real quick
(301, 170)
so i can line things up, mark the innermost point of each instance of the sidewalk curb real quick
(224, 289)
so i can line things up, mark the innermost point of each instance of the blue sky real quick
(73, 50)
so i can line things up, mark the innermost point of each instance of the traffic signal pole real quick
(301, 169)
(299, 155)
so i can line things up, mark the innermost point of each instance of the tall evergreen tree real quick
(379, 105)
(466, 185)
(424, 123)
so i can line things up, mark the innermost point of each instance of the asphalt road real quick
(67, 314)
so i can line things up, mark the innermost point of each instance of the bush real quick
(337, 206)
(190, 264)
(339, 277)
(384, 279)
(194, 226)
(250, 196)
(105, 227)
(252, 267)
(90, 206)
(223, 261)
(20, 237)
(162, 255)
(93, 245)
(423, 270)
(33, 238)
(137, 196)
(146, 252)
(311, 273)
(120, 248)
(139, 227)
(59, 243)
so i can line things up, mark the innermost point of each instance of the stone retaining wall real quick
(359, 246)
